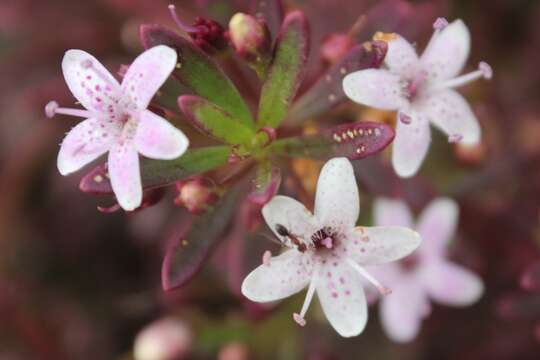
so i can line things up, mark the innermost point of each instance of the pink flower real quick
(427, 275)
(117, 119)
(326, 251)
(420, 89)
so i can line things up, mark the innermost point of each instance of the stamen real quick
(328, 242)
(299, 318)
(52, 108)
(382, 289)
(484, 71)
(178, 22)
(266, 258)
(439, 25)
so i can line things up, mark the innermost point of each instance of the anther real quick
(299, 320)
(440, 24)
(266, 258)
(50, 109)
(455, 138)
(485, 68)
(404, 118)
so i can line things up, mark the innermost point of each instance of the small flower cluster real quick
(325, 250)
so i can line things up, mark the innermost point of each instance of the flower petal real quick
(156, 138)
(294, 216)
(451, 284)
(451, 113)
(342, 298)
(376, 88)
(283, 276)
(447, 52)
(403, 310)
(380, 244)
(90, 82)
(437, 224)
(337, 203)
(146, 75)
(125, 175)
(401, 58)
(410, 144)
(388, 212)
(84, 143)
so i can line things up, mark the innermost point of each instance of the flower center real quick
(414, 85)
(324, 238)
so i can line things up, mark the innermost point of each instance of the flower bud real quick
(165, 339)
(251, 39)
(197, 195)
(233, 351)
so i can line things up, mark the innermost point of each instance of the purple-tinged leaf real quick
(199, 72)
(213, 121)
(328, 92)
(157, 173)
(266, 184)
(286, 70)
(185, 257)
(271, 11)
(354, 141)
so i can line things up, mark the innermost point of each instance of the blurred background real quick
(79, 284)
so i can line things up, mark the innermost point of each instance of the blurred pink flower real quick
(117, 119)
(426, 275)
(420, 89)
(326, 251)
(164, 339)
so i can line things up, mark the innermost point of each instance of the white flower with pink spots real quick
(117, 119)
(426, 275)
(421, 90)
(326, 252)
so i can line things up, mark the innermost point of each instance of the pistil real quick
(484, 71)
(299, 318)
(52, 108)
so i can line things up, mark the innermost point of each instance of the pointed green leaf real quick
(214, 121)
(354, 141)
(266, 184)
(185, 257)
(162, 172)
(286, 70)
(328, 92)
(199, 72)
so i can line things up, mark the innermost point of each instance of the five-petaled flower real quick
(117, 119)
(426, 274)
(420, 89)
(326, 251)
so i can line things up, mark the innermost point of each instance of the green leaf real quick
(186, 256)
(214, 121)
(354, 141)
(328, 92)
(286, 70)
(199, 72)
(267, 182)
(162, 172)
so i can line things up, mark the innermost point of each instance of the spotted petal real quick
(401, 58)
(291, 214)
(447, 52)
(84, 143)
(403, 310)
(156, 138)
(451, 284)
(376, 88)
(342, 298)
(451, 113)
(90, 82)
(125, 175)
(380, 244)
(146, 75)
(284, 275)
(390, 212)
(337, 203)
(410, 144)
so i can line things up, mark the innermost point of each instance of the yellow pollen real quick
(386, 37)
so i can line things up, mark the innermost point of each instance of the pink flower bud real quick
(335, 46)
(250, 37)
(196, 195)
(165, 339)
(233, 351)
